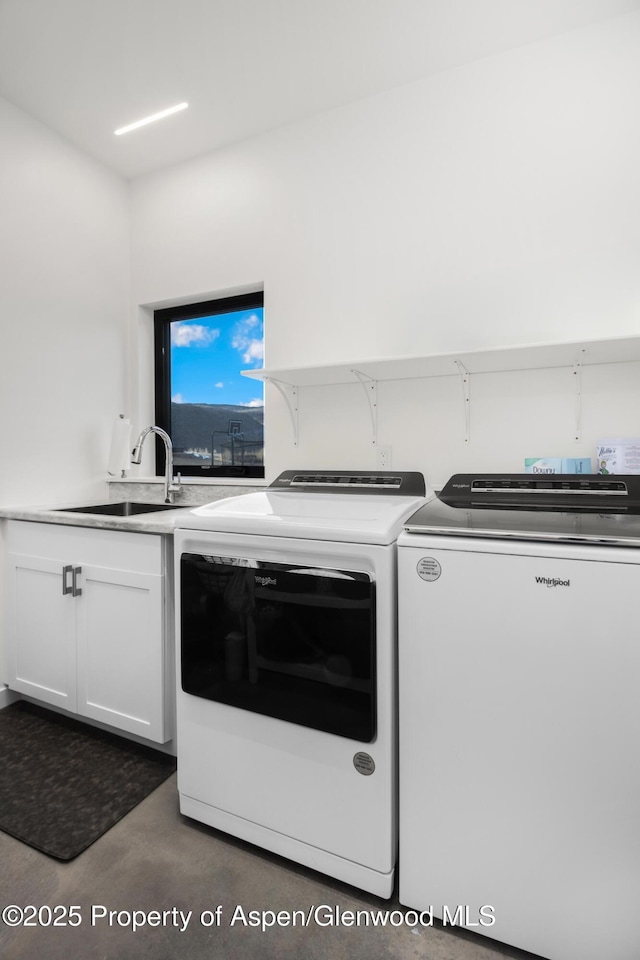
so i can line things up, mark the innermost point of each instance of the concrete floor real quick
(156, 860)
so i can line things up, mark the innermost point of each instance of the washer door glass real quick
(292, 642)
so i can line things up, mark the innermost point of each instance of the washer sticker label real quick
(428, 568)
(364, 764)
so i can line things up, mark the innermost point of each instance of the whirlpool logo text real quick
(266, 581)
(553, 582)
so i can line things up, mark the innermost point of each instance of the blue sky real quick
(208, 354)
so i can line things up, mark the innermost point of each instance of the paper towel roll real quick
(120, 453)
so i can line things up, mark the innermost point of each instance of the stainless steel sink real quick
(126, 508)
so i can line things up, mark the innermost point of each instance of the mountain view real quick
(233, 432)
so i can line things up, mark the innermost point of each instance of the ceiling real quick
(87, 67)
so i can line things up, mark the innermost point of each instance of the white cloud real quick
(187, 334)
(254, 351)
(253, 403)
(219, 386)
(247, 339)
(177, 398)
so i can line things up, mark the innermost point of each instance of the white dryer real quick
(286, 700)
(519, 679)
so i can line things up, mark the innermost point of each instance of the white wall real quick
(493, 204)
(64, 289)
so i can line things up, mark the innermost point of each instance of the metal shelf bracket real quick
(577, 375)
(370, 388)
(289, 392)
(465, 380)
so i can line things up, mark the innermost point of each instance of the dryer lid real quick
(558, 507)
(355, 514)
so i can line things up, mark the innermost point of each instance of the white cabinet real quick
(88, 626)
(41, 636)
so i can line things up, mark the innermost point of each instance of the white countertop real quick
(162, 521)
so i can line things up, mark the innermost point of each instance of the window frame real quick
(162, 320)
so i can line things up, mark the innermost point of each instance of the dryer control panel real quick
(401, 483)
(590, 492)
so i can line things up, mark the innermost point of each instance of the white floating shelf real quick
(493, 360)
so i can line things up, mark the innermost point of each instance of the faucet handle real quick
(174, 484)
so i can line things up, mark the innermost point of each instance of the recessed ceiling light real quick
(151, 119)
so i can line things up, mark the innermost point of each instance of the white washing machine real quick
(286, 700)
(519, 686)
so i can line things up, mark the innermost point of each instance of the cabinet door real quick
(41, 639)
(121, 655)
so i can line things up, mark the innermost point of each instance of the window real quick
(214, 416)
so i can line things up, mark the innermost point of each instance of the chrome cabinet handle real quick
(66, 588)
(76, 591)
